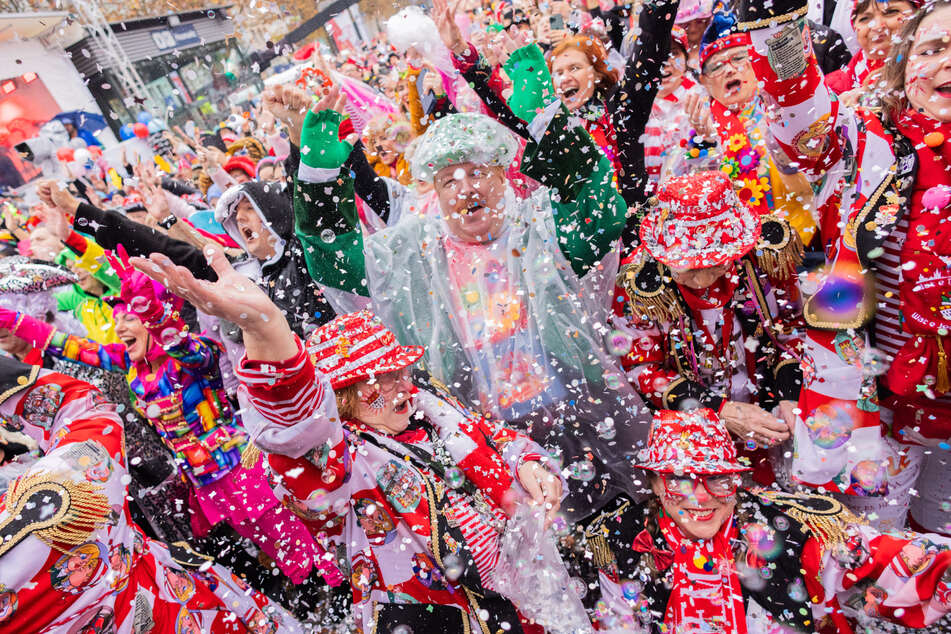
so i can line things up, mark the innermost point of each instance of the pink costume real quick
(184, 400)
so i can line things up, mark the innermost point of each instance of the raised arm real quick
(49, 340)
(589, 214)
(630, 104)
(803, 117)
(325, 212)
(109, 229)
(300, 411)
(368, 185)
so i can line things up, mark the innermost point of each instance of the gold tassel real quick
(250, 456)
(942, 386)
(84, 509)
(780, 261)
(660, 306)
(602, 554)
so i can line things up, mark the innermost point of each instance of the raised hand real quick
(289, 105)
(137, 291)
(697, 107)
(55, 221)
(234, 297)
(320, 144)
(444, 15)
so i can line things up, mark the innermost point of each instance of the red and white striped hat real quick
(358, 346)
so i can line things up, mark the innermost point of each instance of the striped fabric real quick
(666, 127)
(482, 539)
(287, 406)
(889, 336)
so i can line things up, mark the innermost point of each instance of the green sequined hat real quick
(462, 138)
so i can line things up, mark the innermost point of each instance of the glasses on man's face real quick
(738, 61)
(389, 381)
(719, 486)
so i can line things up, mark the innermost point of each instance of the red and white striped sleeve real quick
(296, 403)
(802, 115)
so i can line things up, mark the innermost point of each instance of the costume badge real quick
(401, 484)
(787, 52)
(41, 404)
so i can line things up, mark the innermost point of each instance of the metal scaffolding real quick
(91, 17)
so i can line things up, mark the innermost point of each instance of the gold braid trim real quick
(23, 382)
(658, 305)
(780, 259)
(252, 146)
(772, 20)
(84, 509)
(828, 524)
(250, 456)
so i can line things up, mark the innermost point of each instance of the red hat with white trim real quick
(697, 221)
(358, 346)
(694, 441)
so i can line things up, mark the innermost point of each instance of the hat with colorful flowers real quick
(690, 442)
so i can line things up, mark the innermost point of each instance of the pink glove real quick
(32, 330)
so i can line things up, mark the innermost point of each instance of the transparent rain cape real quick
(510, 329)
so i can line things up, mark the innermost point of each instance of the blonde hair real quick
(347, 398)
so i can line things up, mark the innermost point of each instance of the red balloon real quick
(140, 130)
(95, 150)
(65, 154)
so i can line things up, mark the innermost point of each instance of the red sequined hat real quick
(732, 40)
(689, 442)
(358, 346)
(698, 221)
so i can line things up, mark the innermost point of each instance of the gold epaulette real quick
(779, 249)
(825, 517)
(649, 288)
(596, 532)
(250, 455)
(58, 510)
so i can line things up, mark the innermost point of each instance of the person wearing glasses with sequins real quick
(706, 554)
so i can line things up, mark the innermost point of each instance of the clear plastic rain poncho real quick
(509, 327)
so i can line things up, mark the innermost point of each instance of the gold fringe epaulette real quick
(779, 250)
(250, 456)
(825, 517)
(53, 507)
(650, 292)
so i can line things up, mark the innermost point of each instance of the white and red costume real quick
(872, 180)
(71, 560)
(421, 528)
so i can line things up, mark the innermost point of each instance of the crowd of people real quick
(561, 317)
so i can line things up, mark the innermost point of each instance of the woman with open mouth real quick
(393, 473)
(883, 199)
(612, 103)
(706, 554)
(877, 25)
(177, 387)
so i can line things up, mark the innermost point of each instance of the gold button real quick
(22, 380)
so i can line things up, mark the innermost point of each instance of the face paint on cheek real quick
(375, 401)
